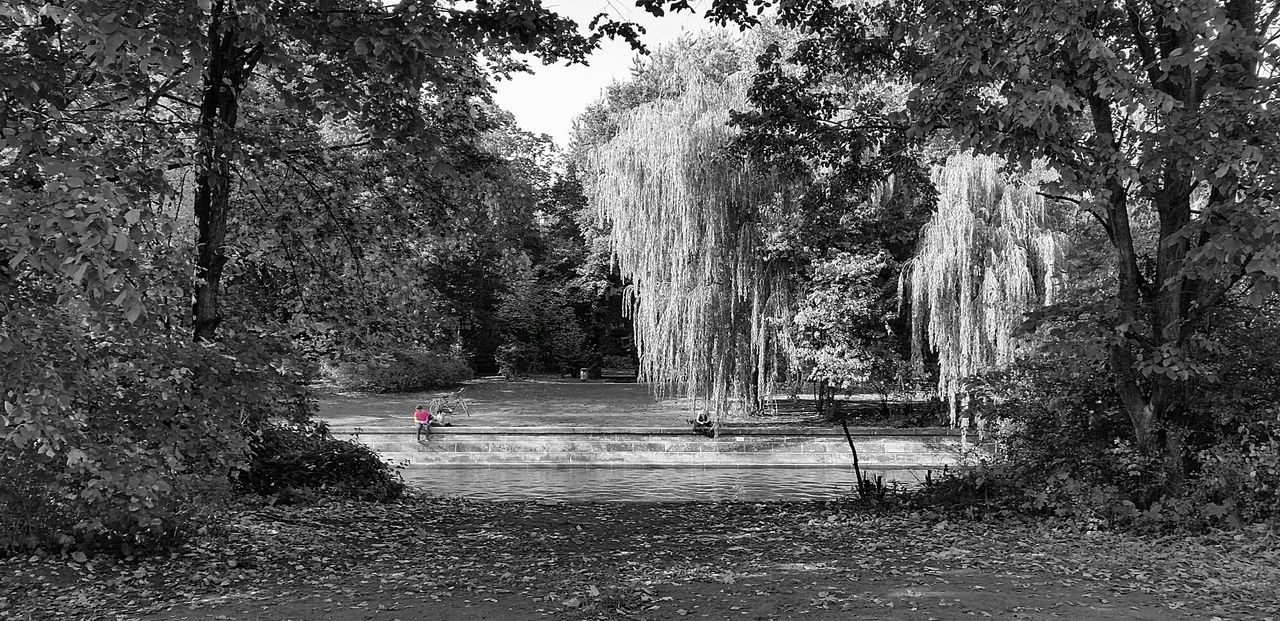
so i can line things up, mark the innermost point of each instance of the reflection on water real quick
(646, 484)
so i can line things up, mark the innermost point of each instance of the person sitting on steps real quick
(702, 424)
(422, 416)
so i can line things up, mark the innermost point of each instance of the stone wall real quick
(667, 446)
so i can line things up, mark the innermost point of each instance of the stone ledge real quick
(725, 432)
(427, 466)
(638, 460)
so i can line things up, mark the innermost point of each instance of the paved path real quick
(537, 402)
(525, 403)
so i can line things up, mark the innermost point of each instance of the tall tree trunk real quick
(212, 197)
(229, 66)
(1122, 358)
(1172, 307)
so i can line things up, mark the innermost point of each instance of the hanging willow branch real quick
(985, 258)
(706, 309)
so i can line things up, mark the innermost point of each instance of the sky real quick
(546, 101)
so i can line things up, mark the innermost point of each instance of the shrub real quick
(115, 438)
(1239, 480)
(1062, 448)
(617, 362)
(516, 360)
(288, 457)
(403, 371)
(540, 330)
(1066, 450)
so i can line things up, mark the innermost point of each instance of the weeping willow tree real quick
(986, 257)
(708, 312)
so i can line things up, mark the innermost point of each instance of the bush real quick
(1062, 448)
(405, 371)
(515, 360)
(1066, 450)
(1240, 481)
(114, 436)
(288, 457)
(617, 362)
(540, 330)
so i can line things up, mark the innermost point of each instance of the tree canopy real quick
(1141, 108)
(311, 160)
(682, 211)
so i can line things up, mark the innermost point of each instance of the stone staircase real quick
(666, 446)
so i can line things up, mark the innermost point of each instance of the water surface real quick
(604, 484)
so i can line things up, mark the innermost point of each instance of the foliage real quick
(858, 197)
(706, 306)
(572, 257)
(120, 436)
(1160, 106)
(288, 457)
(1239, 480)
(517, 360)
(401, 371)
(840, 326)
(135, 139)
(987, 256)
(1066, 446)
(540, 330)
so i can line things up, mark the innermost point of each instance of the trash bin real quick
(582, 374)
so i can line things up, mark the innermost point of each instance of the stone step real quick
(725, 430)
(553, 458)
(651, 445)
(881, 448)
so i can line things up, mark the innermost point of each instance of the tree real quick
(988, 256)
(683, 211)
(1167, 106)
(840, 328)
(859, 193)
(107, 401)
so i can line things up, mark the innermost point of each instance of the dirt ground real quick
(452, 559)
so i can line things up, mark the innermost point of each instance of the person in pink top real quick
(422, 416)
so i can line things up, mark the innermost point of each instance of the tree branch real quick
(351, 245)
(1144, 44)
(1211, 297)
(179, 100)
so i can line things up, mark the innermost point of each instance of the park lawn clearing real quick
(455, 559)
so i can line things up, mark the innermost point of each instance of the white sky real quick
(546, 101)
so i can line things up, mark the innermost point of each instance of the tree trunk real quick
(228, 70)
(212, 197)
(1127, 327)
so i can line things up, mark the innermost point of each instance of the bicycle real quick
(449, 405)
